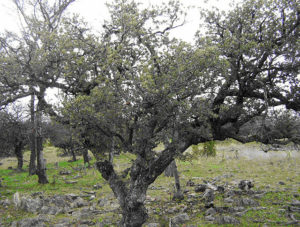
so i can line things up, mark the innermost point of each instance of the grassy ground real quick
(279, 177)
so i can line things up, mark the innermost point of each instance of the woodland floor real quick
(274, 200)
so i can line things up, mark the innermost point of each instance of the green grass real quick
(265, 174)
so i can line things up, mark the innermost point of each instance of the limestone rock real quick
(17, 200)
(211, 211)
(209, 196)
(246, 202)
(223, 220)
(179, 219)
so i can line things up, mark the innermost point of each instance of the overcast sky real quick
(95, 12)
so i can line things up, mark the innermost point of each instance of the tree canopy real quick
(134, 86)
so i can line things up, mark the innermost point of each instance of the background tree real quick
(259, 41)
(64, 137)
(32, 62)
(14, 134)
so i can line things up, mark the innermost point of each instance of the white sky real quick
(95, 12)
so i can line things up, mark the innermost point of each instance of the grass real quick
(265, 173)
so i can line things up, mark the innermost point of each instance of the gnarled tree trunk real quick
(132, 194)
(131, 199)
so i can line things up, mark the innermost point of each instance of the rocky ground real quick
(217, 191)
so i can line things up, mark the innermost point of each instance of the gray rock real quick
(59, 200)
(190, 183)
(229, 194)
(84, 213)
(79, 202)
(211, 211)
(52, 210)
(209, 196)
(295, 203)
(71, 197)
(87, 223)
(64, 221)
(210, 218)
(102, 202)
(281, 183)
(65, 172)
(246, 202)
(5, 202)
(31, 205)
(17, 200)
(31, 222)
(220, 189)
(228, 200)
(222, 220)
(179, 219)
(35, 194)
(245, 185)
(152, 225)
(60, 225)
(97, 186)
(200, 188)
(259, 196)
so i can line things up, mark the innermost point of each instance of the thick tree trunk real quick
(131, 200)
(41, 164)
(134, 213)
(32, 163)
(19, 154)
(85, 157)
(132, 194)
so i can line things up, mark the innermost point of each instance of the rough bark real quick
(73, 156)
(131, 200)
(132, 194)
(178, 195)
(32, 163)
(169, 171)
(172, 171)
(86, 159)
(41, 164)
(19, 154)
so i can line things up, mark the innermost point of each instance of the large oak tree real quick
(153, 89)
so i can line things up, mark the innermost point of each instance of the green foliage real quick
(207, 149)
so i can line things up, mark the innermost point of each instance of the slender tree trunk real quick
(41, 164)
(32, 163)
(178, 195)
(73, 155)
(85, 157)
(19, 155)
(172, 171)
(169, 171)
(111, 152)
